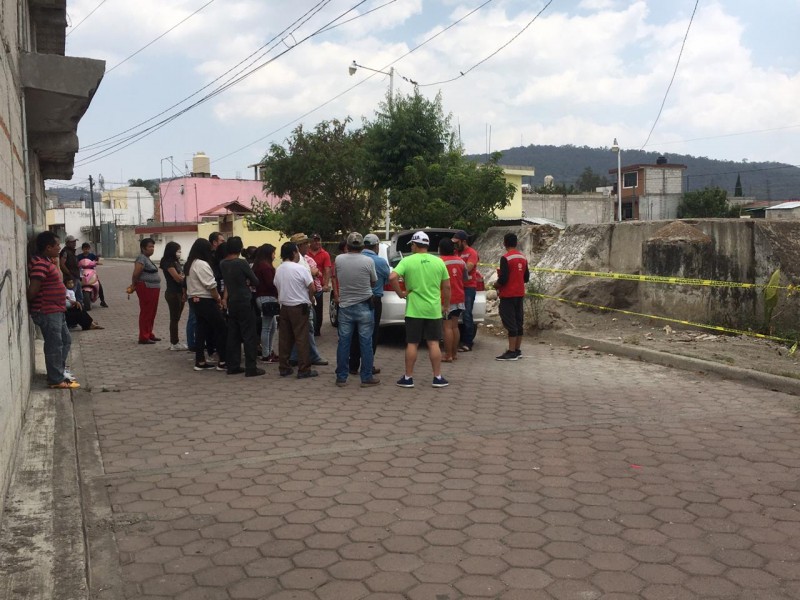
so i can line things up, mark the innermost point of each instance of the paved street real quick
(566, 475)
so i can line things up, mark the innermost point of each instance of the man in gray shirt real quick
(355, 276)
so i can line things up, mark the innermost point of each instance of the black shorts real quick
(455, 313)
(512, 315)
(423, 329)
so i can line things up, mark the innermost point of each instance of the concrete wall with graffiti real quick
(16, 332)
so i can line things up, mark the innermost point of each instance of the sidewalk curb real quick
(776, 383)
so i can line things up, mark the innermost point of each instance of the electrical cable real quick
(371, 10)
(110, 141)
(352, 87)
(479, 63)
(724, 135)
(86, 17)
(123, 61)
(148, 131)
(674, 73)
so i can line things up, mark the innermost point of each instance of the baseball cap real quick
(70, 238)
(371, 240)
(316, 236)
(460, 235)
(420, 238)
(299, 238)
(354, 240)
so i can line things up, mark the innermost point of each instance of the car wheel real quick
(333, 312)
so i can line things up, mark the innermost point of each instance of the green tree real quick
(322, 173)
(706, 203)
(589, 181)
(412, 152)
(406, 128)
(265, 217)
(151, 185)
(451, 192)
(737, 190)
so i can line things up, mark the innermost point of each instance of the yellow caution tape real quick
(658, 279)
(760, 336)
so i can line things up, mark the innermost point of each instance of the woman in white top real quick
(201, 290)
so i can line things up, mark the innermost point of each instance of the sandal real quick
(65, 385)
(464, 349)
(447, 359)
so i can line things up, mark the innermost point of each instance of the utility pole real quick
(94, 222)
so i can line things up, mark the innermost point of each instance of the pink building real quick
(185, 199)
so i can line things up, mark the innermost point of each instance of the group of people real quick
(234, 302)
(239, 300)
(55, 302)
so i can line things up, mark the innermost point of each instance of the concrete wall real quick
(583, 208)
(16, 331)
(744, 250)
(781, 214)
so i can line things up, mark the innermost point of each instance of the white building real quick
(783, 211)
(121, 206)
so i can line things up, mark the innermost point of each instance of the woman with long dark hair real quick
(176, 291)
(267, 299)
(201, 289)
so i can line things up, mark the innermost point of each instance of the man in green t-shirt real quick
(427, 291)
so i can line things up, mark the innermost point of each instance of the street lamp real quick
(354, 66)
(616, 148)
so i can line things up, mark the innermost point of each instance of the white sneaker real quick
(179, 347)
(68, 375)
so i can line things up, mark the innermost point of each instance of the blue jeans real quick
(57, 343)
(315, 355)
(469, 324)
(78, 289)
(355, 320)
(191, 324)
(269, 328)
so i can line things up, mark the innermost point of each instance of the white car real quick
(393, 307)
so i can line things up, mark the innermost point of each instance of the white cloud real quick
(579, 76)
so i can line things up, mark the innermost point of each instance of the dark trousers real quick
(209, 320)
(293, 329)
(175, 304)
(102, 294)
(320, 298)
(75, 316)
(355, 347)
(148, 307)
(241, 331)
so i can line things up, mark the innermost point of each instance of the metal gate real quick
(108, 240)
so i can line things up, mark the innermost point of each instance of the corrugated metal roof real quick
(785, 205)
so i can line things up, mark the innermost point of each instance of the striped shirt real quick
(52, 295)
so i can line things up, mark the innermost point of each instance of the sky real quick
(582, 72)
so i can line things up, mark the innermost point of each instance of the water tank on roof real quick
(661, 160)
(201, 165)
(548, 180)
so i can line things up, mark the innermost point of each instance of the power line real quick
(501, 48)
(148, 131)
(123, 61)
(86, 17)
(674, 72)
(723, 135)
(352, 87)
(109, 141)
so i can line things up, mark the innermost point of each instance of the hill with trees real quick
(764, 180)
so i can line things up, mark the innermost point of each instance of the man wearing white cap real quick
(427, 290)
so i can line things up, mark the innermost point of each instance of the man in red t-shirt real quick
(470, 256)
(323, 260)
(512, 276)
(47, 298)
